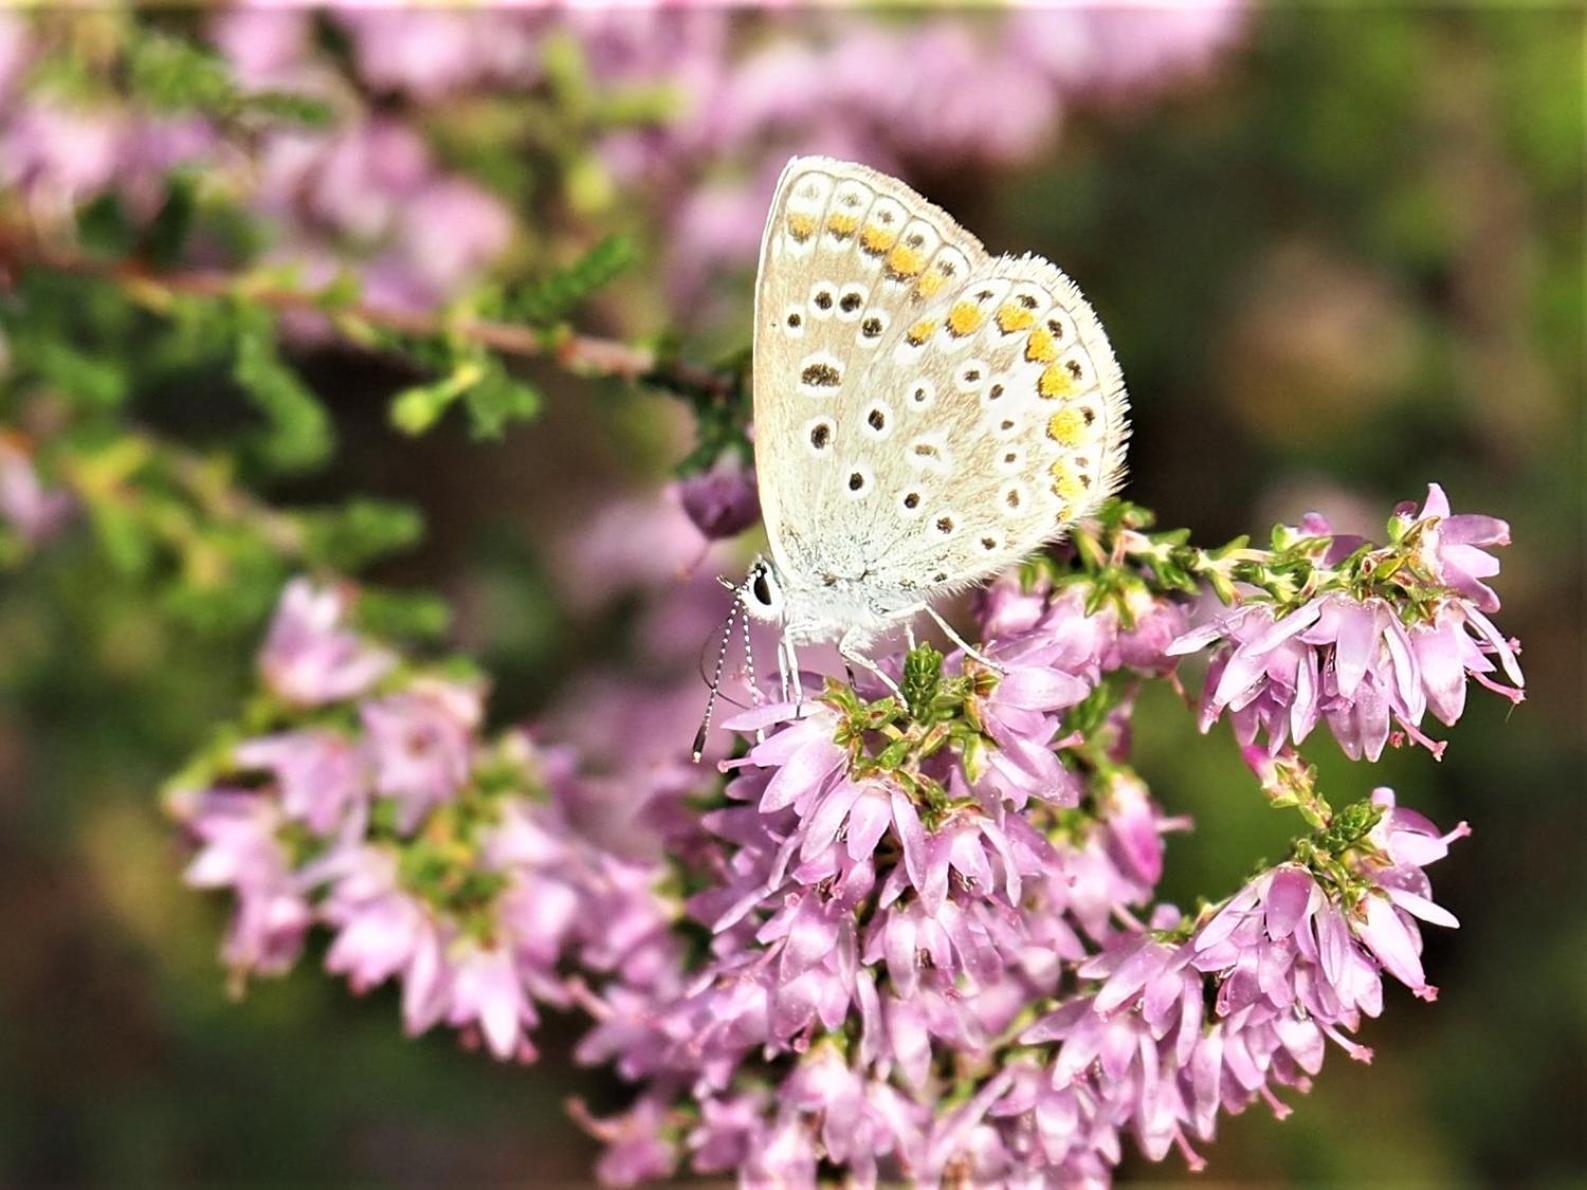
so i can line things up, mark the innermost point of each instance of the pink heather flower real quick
(322, 776)
(16, 47)
(1292, 969)
(309, 657)
(429, 53)
(35, 511)
(449, 234)
(1351, 663)
(723, 501)
(265, 47)
(1356, 664)
(1461, 641)
(379, 929)
(1022, 715)
(421, 744)
(636, 1150)
(1333, 657)
(61, 155)
(485, 991)
(370, 196)
(238, 849)
(1078, 643)
(1117, 49)
(730, 1132)
(1452, 547)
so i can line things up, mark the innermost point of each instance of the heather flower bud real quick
(723, 501)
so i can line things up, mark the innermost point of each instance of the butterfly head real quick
(762, 592)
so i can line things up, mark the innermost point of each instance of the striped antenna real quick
(716, 678)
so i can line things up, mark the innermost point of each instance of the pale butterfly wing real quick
(924, 414)
(843, 249)
(1013, 425)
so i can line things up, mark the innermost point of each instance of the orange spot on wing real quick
(1014, 317)
(965, 319)
(841, 225)
(1067, 485)
(1055, 382)
(1066, 427)
(904, 261)
(877, 240)
(1041, 347)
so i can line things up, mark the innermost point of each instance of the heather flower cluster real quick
(693, 109)
(905, 936)
(373, 807)
(905, 98)
(1386, 635)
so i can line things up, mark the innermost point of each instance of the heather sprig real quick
(909, 936)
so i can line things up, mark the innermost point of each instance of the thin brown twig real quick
(587, 355)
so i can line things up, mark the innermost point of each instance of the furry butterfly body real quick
(925, 414)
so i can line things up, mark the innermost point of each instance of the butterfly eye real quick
(761, 588)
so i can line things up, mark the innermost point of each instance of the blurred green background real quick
(1350, 263)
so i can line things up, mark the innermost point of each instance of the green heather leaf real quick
(170, 74)
(402, 614)
(167, 235)
(498, 400)
(551, 300)
(123, 536)
(290, 109)
(299, 435)
(101, 382)
(103, 226)
(348, 538)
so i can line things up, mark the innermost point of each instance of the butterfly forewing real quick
(924, 414)
(845, 253)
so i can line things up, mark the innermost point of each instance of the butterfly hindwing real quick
(925, 415)
(1015, 425)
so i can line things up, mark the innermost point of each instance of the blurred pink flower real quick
(265, 45)
(1111, 50)
(723, 501)
(310, 657)
(432, 52)
(238, 849)
(34, 510)
(321, 775)
(421, 745)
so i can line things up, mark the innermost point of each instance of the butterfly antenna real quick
(749, 666)
(716, 684)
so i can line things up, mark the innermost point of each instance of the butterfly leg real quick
(788, 667)
(969, 649)
(849, 650)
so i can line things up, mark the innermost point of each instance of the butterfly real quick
(925, 414)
